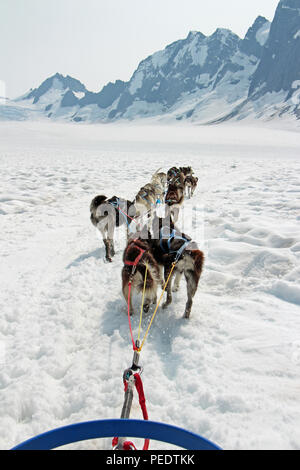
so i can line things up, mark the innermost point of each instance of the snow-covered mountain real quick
(200, 78)
(275, 86)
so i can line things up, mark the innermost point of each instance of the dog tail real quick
(96, 202)
(198, 257)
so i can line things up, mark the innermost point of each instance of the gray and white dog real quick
(149, 196)
(106, 215)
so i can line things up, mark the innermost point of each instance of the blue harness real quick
(158, 201)
(173, 236)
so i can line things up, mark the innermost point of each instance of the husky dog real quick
(159, 179)
(136, 255)
(106, 215)
(145, 200)
(174, 197)
(149, 195)
(173, 174)
(186, 171)
(190, 185)
(173, 246)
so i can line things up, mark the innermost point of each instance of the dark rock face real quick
(280, 62)
(105, 98)
(69, 99)
(256, 37)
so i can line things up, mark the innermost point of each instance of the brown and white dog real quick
(186, 171)
(190, 185)
(172, 246)
(175, 174)
(136, 256)
(174, 197)
(106, 215)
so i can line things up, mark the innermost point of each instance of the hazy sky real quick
(98, 41)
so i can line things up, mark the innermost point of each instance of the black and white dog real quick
(106, 215)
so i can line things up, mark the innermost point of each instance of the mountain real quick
(280, 63)
(56, 95)
(189, 76)
(205, 79)
(275, 86)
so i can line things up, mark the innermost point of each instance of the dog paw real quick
(175, 289)
(186, 315)
(165, 305)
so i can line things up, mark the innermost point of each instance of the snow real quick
(263, 34)
(79, 94)
(142, 108)
(297, 35)
(295, 84)
(197, 49)
(159, 59)
(199, 55)
(136, 82)
(230, 373)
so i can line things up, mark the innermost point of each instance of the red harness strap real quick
(142, 400)
(138, 258)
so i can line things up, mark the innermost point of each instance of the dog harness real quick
(139, 256)
(145, 195)
(117, 204)
(175, 235)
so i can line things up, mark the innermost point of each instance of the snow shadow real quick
(166, 327)
(98, 254)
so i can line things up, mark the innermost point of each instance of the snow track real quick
(230, 373)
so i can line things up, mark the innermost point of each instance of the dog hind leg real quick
(192, 285)
(169, 288)
(177, 281)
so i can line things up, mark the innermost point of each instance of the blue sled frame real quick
(117, 427)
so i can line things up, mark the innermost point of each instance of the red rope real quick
(140, 389)
(129, 320)
(127, 445)
(126, 214)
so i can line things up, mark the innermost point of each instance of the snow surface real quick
(297, 35)
(263, 34)
(230, 373)
(136, 82)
